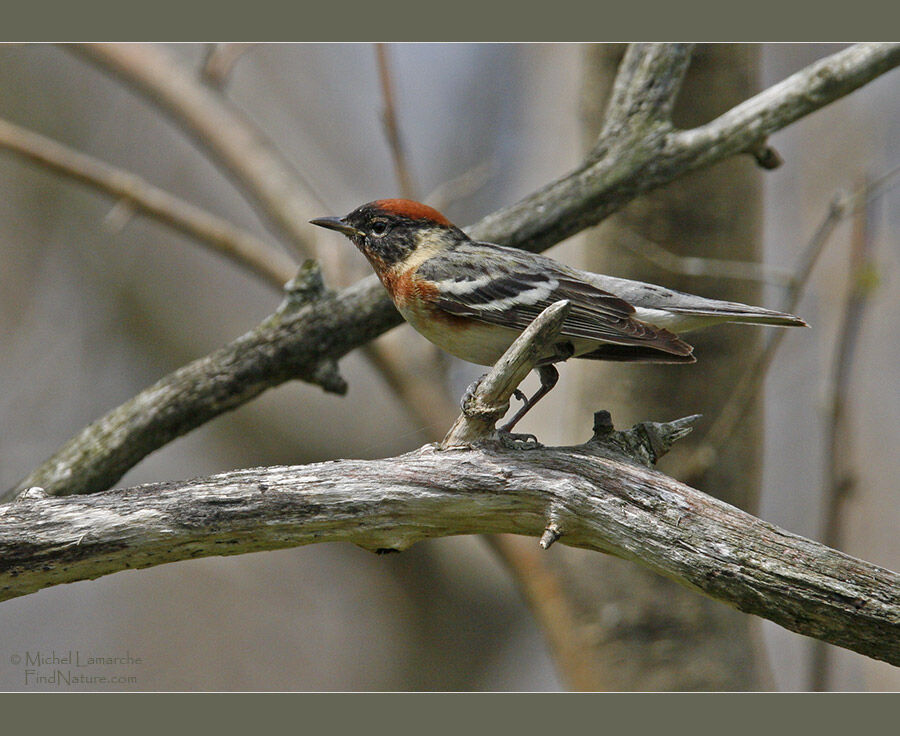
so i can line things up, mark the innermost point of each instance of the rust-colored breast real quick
(412, 293)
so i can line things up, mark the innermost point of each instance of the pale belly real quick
(477, 342)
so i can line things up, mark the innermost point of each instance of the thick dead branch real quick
(326, 331)
(595, 497)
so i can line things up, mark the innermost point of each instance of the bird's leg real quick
(549, 376)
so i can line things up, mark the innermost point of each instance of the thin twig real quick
(702, 266)
(220, 61)
(464, 185)
(840, 473)
(391, 124)
(240, 246)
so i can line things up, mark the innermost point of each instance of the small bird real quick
(473, 299)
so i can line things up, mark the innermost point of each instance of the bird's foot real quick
(517, 441)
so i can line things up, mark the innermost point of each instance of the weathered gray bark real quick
(594, 496)
(661, 637)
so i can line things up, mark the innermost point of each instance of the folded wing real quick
(511, 289)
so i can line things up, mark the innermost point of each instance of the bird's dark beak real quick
(336, 223)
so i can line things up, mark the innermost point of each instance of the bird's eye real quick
(379, 228)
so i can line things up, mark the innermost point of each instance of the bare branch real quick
(744, 126)
(270, 183)
(604, 184)
(597, 498)
(266, 356)
(240, 246)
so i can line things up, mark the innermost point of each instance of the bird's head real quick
(390, 231)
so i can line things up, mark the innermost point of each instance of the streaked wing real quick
(510, 288)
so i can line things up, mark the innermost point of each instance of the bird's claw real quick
(520, 395)
(517, 441)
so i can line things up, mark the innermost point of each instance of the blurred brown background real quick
(94, 307)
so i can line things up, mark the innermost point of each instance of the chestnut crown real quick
(388, 230)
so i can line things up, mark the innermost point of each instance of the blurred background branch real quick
(243, 248)
(284, 198)
(220, 61)
(722, 430)
(841, 472)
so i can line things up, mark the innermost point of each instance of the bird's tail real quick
(735, 312)
(681, 312)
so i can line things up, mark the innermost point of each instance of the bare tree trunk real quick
(645, 633)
